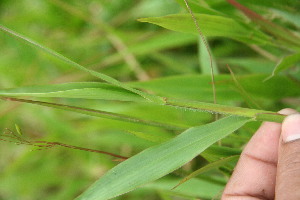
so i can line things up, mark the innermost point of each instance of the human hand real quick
(269, 166)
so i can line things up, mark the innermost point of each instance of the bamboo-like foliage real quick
(171, 141)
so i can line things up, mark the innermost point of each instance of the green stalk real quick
(257, 115)
(97, 113)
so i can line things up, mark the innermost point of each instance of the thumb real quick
(288, 168)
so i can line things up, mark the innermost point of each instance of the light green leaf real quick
(97, 113)
(211, 25)
(87, 90)
(78, 66)
(208, 167)
(285, 63)
(162, 41)
(19, 131)
(248, 98)
(204, 58)
(283, 36)
(198, 87)
(199, 7)
(149, 137)
(160, 160)
(215, 152)
(197, 188)
(259, 115)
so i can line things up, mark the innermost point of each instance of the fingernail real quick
(291, 128)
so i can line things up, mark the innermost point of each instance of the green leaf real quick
(87, 90)
(285, 63)
(97, 113)
(248, 98)
(204, 58)
(197, 188)
(19, 131)
(160, 160)
(78, 66)
(259, 115)
(208, 167)
(215, 152)
(211, 25)
(149, 137)
(162, 41)
(282, 35)
(198, 87)
(199, 7)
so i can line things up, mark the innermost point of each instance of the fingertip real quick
(288, 111)
(291, 128)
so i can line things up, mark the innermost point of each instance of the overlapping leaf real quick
(160, 160)
(211, 25)
(87, 90)
(78, 66)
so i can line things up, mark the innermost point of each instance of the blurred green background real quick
(94, 34)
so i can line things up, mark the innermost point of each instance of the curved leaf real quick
(208, 167)
(87, 90)
(160, 160)
(70, 62)
(285, 63)
(211, 25)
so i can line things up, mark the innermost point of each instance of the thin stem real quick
(207, 48)
(14, 138)
(257, 115)
(53, 144)
(98, 113)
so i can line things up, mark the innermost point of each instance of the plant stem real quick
(257, 115)
(98, 113)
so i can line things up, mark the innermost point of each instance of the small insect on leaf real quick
(18, 129)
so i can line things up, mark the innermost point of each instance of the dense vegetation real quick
(133, 75)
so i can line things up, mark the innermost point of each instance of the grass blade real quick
(250, 101)
(160, 160)
(260, 115)
(83, 90)
(78, 66)
(208, 167)
(96, 113)
(213, 26)
(198, 87)
(285, 63)
(288, 38)
(192, 190)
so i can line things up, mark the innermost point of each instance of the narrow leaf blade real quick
(285, 63)
(97, 113)
(83, 90)
(211, 25)
(160, 160)
(68, 61)
(208, 167)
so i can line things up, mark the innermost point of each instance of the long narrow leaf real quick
(198, 87)
(212, 26)
(96, 113)
(87, 90)
(285, 63)
(78, 66)
(160, 160)
(260, 115)
(197, 188)
(208, 167)
(283, 35)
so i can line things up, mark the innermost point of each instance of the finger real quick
(255, 174)
(288, 170)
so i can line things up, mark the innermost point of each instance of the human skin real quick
(269, 166)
